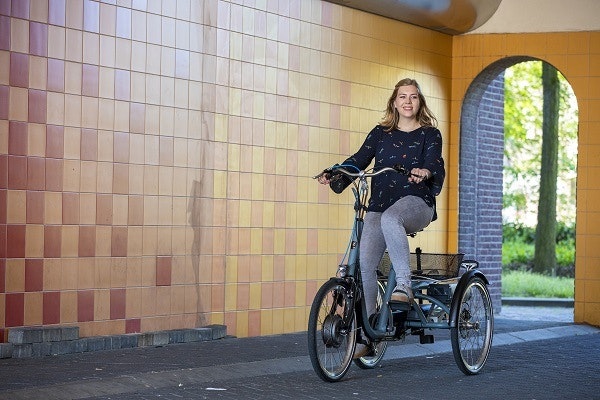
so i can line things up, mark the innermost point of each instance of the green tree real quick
(544, 259)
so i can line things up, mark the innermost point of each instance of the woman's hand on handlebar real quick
(418, 175)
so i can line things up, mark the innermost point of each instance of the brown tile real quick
(89, 80)
(3, 171)
(85, 305)
(89, 144)
(3, 251)
(119, 241)
(135, 215)
(4, 33)
(56, 12)
(163, 270)
(36, 173)
(117, 303)
(4, 101)
(17, 172)
(38, 39)
(54, 175)
(37, 106)
(52, 241)
(87, 241)
(3, 207)
(19, 70)
(34, 275)
(120, 178)
(70, 206)
(137, 116)
(133, 325)
(56, 75)
(51, 308)
(14, 305)
(35, 207)
(17, 138)
(55, 141)
(104, 209)
(15, 241)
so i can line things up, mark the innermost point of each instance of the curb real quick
(51, 341)
(537, 302)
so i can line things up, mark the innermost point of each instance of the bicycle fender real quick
(460, 287)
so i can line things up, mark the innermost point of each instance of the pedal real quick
(399, 306)
(426, 339)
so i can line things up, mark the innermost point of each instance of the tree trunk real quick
(545, 236)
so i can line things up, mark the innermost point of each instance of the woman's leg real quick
(372, 247)
(408, 215)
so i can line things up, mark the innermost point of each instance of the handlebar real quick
(362, 174)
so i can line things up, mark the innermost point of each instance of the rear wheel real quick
(331, 332)
(471, 335)
(373, 360)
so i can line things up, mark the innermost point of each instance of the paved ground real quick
(538, 353)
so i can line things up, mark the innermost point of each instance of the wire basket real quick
(429, 265)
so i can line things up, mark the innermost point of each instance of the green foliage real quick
(526, 284)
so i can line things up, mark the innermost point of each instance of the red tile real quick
(87, 241)
(15, 241)
(119, 241)
(54, 175)
(89, 80)
(20, 9)
(34, 275)
(89, 144)
(19, 70)
(104, 209)
(117, 303)
(4, 33)
(4, 100)
(56, 75)
(2, 275)
(137, 117)
(52, 241)
(56, 12)
(37, 106)
(122, 85)
(35, 207)
(51, 308)
(55, 141)
(163, 270)
(36, 173)
(85, 305)
(133, 325)
(14, 309)
(17, 138)
(70, 207)
(38, 39)
(17, 172)
(121, 147)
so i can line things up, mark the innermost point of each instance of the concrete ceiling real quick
(457, 17)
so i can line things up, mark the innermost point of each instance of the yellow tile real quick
(19, 35)
(38, 72)
(34, 241)
(53, 208)
(69, 273)
(15, 275)
(103, 243)
(33, 307)
(18, 104)
(105, 177)
(16, 210)
(72, 110)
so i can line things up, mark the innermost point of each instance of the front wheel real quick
(471, 335)
(331, 331)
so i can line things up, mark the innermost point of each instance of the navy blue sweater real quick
(421, 148)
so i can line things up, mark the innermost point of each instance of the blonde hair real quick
(424, 115)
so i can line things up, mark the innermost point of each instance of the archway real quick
(481, 171)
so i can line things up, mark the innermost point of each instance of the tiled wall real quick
(155, 156)
(577, 56)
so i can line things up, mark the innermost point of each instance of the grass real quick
(527, 284)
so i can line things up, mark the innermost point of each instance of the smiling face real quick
(407, 101)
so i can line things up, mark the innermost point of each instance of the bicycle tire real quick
(373, 360)
(331, 344)
(472, 333)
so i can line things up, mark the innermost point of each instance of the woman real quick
(399, 204)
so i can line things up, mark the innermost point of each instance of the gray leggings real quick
(389, 230)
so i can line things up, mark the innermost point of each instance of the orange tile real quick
(52, 274)
(86, 273)
(69, 273)
(33, 308)
(70, 241)
(34, 241)
(69, 308)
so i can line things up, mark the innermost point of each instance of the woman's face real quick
(407, 101)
